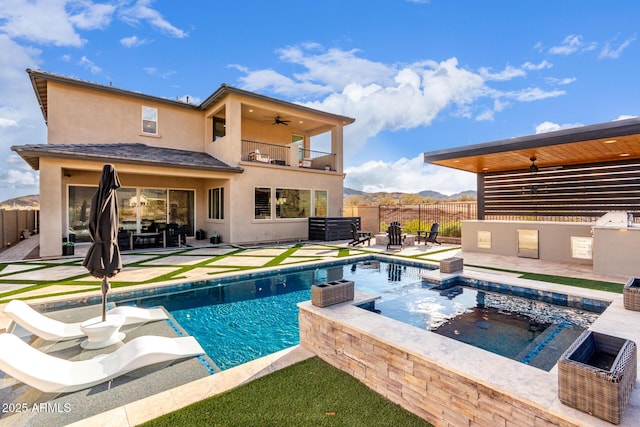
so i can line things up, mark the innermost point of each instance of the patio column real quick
(336, 146)
(52, 207)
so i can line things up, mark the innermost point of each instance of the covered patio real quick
(529, 186)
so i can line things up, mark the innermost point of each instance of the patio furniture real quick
(331, 293)
(359, 236)
(596, 375)
(255, 156)
(102, 333)
(394, 232)
(432, 237)
(631, 294)
(51, 374)
(50, 329)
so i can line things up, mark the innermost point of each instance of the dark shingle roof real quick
(131, 153)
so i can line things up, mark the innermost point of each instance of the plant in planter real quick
(201, 234)
(68, 248)
(215, 238)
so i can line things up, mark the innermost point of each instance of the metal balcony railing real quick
(263, 152)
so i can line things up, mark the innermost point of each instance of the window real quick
(320, 203)
(219, 128)
(216, 203)
(262, 201)
(292, 203)
(150, 120)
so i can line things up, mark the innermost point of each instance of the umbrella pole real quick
(105, 289)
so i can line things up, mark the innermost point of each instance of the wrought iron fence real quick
(421, 216)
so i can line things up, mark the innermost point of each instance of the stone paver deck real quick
(20, 278)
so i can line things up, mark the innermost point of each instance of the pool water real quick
(237, 321)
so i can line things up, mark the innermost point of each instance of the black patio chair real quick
(394, 232)
(359, 236)
(433, 235)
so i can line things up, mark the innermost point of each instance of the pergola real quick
(571, 173)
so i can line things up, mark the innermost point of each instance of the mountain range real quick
(426, 194)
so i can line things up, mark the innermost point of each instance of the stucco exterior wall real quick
(245, 228)
(77, 115)
(617, 250)
(554, 238)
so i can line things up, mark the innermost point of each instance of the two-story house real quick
(239, 164)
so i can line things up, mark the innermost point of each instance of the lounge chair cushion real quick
(50, 329)
(51, 374)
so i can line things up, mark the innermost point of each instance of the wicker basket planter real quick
(596, 375)
(331, 293)
(451, 265)
(631, 294)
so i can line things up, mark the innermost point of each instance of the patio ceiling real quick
(605, 142)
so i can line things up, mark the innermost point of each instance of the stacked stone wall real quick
(423, 387)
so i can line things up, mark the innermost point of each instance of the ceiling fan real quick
(277, 120)
(535, 168)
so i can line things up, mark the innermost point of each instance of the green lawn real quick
(309, 393)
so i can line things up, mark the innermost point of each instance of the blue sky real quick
(416, 75)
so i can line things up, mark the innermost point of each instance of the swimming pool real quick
(240, 319)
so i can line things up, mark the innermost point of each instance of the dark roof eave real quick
(32, 157)
(563, 136)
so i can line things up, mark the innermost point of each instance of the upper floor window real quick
(219, 128)
(150, 120)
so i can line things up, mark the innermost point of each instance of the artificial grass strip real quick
(343, 252)
(309, 393)
(597, 285)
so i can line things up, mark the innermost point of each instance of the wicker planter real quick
(331, 293)
(596, 375)
(451, 265)
(631, 294)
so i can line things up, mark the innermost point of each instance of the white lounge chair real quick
(50, 329)
(51, 374)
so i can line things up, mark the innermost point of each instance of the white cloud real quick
(533, 94)
(12, 179)
(507, 74)
(624, 117)
(91, 16)
(57, 22)
(40, 21)
(390, 97)
(571, 44)
(614, 53)
(550, 126)
(133, 41)
(536, 67)
(487, 115)
(7, 122)
(560, 82)
(141, 11)
(90, 65)
(409, 176)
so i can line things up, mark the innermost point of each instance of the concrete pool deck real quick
(20, 277)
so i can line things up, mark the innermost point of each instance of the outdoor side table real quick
(102, 334)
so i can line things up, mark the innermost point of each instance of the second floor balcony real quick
(287, 155)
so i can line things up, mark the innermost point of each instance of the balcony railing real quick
(281, 155)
